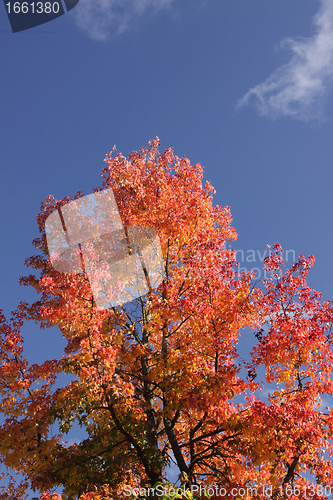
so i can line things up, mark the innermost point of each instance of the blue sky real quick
(244, 87)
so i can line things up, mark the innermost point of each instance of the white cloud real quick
(298, 88)
(100, 17)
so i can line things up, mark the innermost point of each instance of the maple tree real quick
(155, 381)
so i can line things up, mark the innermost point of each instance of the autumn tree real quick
(155, 381)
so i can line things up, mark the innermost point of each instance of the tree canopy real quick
(158, 381)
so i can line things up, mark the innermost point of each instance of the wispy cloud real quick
(100, 18)
(298, 88)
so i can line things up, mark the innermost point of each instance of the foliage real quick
(157, 380)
